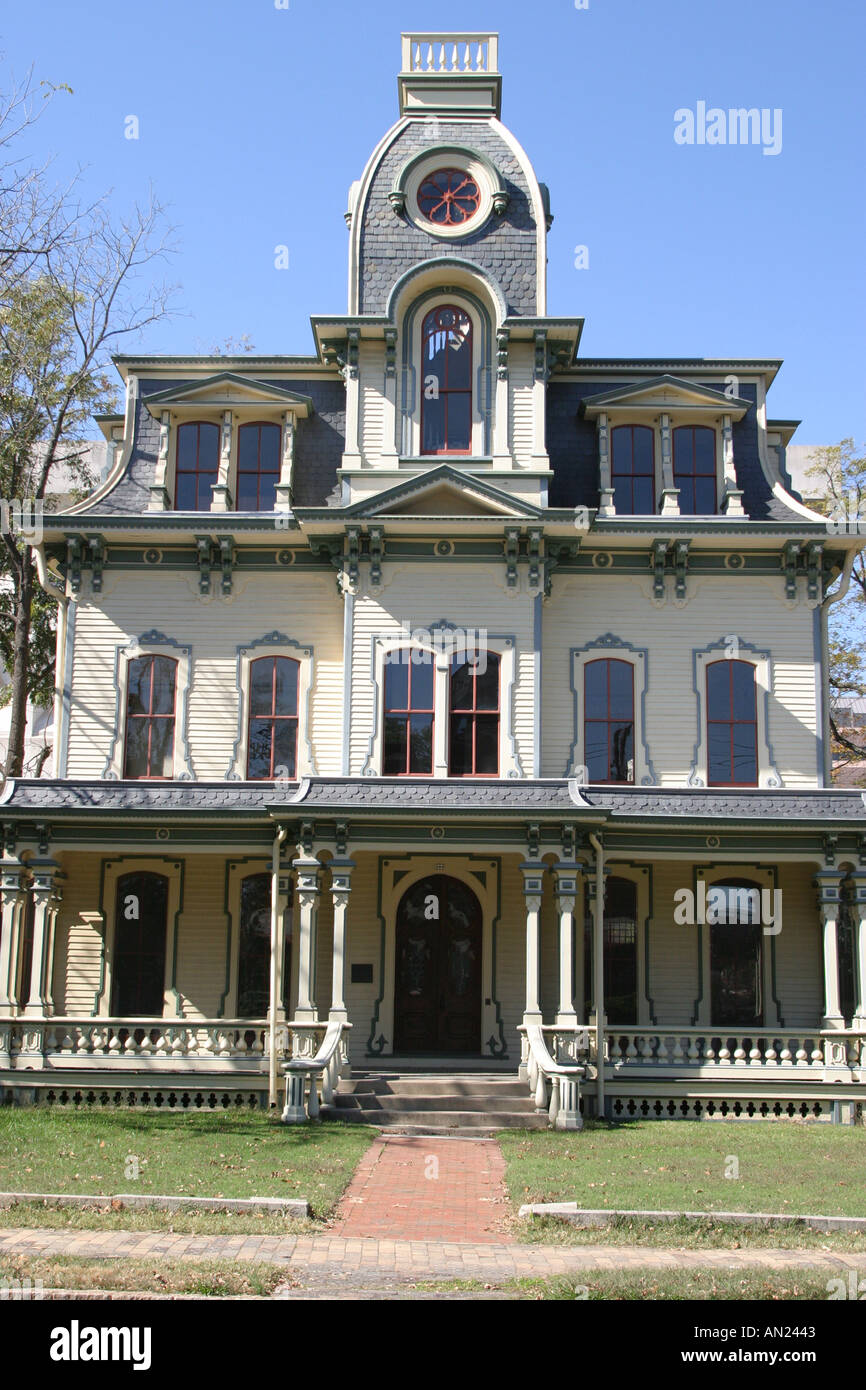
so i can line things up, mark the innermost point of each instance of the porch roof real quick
(33, 799)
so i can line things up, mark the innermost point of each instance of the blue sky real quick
(254, 120)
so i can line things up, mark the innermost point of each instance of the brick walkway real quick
(409, 1260)
(412, 1189)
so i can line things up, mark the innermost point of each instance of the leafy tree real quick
(839, 471)
(73, 282)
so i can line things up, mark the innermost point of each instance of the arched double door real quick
(437, 994)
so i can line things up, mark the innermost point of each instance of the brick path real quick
(408, 1260)
(427, 1189)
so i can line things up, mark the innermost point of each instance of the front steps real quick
(412, 1102)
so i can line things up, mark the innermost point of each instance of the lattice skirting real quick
(167, 1099)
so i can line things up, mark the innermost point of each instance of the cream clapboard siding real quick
(371, 372)
(520, 397)
(420, 595)
(78, 946)
(799, 948)
(581, 610)
(672, 980)
(306, 608)
(202, 936)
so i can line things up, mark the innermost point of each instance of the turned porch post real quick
(14, 900)
(565, 879)
(308, 869)
(341, 884)
(533, 871)
(827, 881)
(45, 887)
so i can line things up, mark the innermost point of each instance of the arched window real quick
(446, 385)
(150, 717)
(140, 919)
(197, 466)
(474, 704)
(732, 724)
(847, 929)
(695, 469)
(620, 952)
(409, 720)
(633, 470)
(258, 467)
(736, 994)
(608, 725)
(273, 724)
(25, 956)
(254, 949)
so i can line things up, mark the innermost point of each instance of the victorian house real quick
(444, 699)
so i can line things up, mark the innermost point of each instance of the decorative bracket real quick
(306, 837)
(74, 555)
(681, 561)
(341, 837)
(390, 352)
(353, 338)
(353, 553)
(512, 551)
(535, 536)
(540, 354)
(377, 554)
(97, 560)
(502, 337)
(226, 560)
(568, 843)
(533, 839)
(658, 559)
(203, 551)
(555, 555)
(814, 554)
(789, 564)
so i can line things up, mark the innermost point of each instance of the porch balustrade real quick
(147, 1044)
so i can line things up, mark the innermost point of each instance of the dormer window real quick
(446, 412)
(198, 449)
(258, 467)
(633, 470)
(695, 469)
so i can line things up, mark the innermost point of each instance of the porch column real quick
(341, 884)
(859, 906)
(565, 879)
(533, 878)
(827, 881)
(308, 869)
(45, 887)
(14, 899)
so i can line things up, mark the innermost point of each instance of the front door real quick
(437, 1002)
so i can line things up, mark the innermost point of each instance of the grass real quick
(688, 1235)
(214, 1277)
(198, 1155)
(181, 1223)
(595, 1286)
(652, 1165)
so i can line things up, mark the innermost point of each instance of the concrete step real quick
(481, 1104)
(477, 1123)
(397, 1085)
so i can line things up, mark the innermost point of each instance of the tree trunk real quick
(20, 666)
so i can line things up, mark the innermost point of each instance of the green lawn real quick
(198, 1155)
(595, 1286)
(657, 1165)
(220, 1278)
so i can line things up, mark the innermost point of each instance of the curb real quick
(283, 1206)
(588, 1216)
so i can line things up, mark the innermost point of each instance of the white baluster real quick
(313, 1103)
(554, 1099)
(540, 1092)
(479, 62)
(661, 1050)
(467, 58)
(631, 1050)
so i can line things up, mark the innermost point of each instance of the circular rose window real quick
(449, 197)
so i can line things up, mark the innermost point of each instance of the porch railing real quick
(708, 1051)
(146, 1044)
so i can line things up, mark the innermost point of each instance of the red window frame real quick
(258, 472)
(451, 188)
(273, 717)
(731, 723)
(473, 712)
(607, 662)
(627, 477)
(691, 475)
(150, 716)
(404, 713)
(198, 472)
(430, 328)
